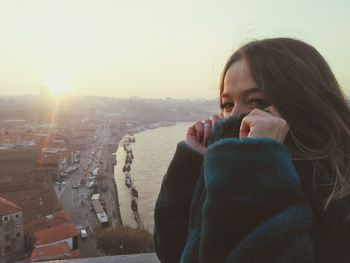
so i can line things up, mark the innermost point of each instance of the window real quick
(18, 235)
(16, 216)
(6, 218)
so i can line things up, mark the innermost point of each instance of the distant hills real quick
(33, 108)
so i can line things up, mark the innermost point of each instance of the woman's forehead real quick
(238, 78)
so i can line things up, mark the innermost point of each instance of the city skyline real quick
(156, 49)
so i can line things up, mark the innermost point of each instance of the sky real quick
(153, 48)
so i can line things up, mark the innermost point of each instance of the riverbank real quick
(129, 183)
(118, 197)
(153, 151)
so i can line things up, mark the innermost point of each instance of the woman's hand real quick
(198, 134)
(264, 123)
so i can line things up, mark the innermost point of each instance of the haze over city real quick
(152, 48)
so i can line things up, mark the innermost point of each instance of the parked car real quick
(78, 228)
(83, 233)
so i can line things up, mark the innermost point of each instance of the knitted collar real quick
(226, 128)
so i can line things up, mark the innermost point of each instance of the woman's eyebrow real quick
(246, 93)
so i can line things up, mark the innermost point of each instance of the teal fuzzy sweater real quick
(241, 202)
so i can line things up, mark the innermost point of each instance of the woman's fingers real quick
(207, 127)
(214, 119)
(199, 129)
(245, 127)
(264, 123)
(198, 134)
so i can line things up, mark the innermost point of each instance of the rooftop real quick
(47, 221)
(35, 203)
(57, 251)
(52, 159)
(7, 207)
(55, 233)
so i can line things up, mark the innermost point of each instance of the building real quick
(47, 221)
(52, 252)
(17, 137)
(44, 222)
(55, 242)
(58, 159)
(64, 232)
(12, 230)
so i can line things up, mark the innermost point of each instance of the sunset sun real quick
(59, 84)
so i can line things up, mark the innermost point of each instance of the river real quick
(153, 151)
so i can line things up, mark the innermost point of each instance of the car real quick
(83, 233)
(78, 227)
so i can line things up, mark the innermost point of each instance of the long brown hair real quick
(297, 80)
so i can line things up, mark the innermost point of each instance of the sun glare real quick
(59, 85)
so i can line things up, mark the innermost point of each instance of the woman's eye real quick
(259, 103)
(227, 106)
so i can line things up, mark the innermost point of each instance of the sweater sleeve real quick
(255, 210)
(173, 204)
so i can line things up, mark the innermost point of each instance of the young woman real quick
(266, 180)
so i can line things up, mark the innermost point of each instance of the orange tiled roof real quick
(57, 251)
(55, 234)
(47, 221)
(35, 203)
(7, 207)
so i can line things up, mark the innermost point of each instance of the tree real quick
(124, 240)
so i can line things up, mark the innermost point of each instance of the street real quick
(77, 202)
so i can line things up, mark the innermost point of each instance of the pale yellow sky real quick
(153, 48)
